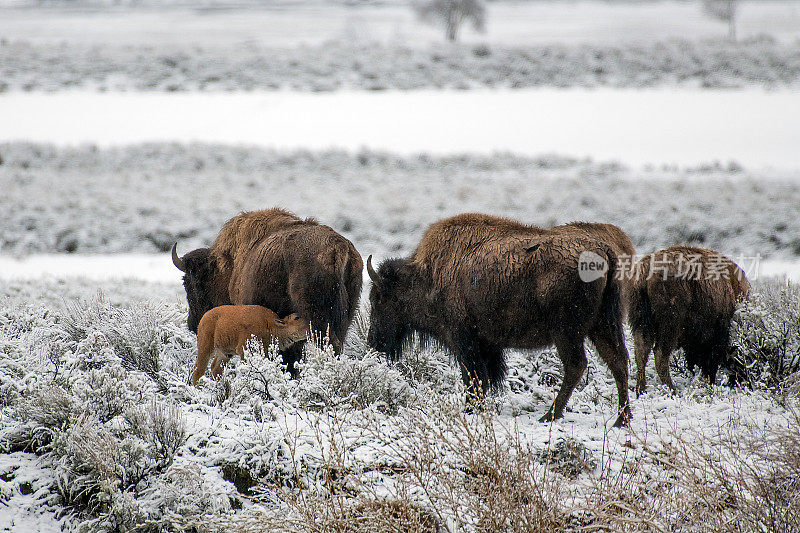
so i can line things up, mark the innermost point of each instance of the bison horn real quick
(374, 276)
(177, 261)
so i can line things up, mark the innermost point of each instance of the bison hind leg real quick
(719, 354)
(642, 346)
(613, 352)
(221, 358)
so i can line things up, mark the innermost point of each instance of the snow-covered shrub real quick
(330, 380)
(347, 515)
(83, 317)
(260, 376)
(144, 335)
(140, 334)
(765, 335)
(162, 427)
(40, 417)
(88, 456)
(423, 363)
(11, 372)
(568, 457)
(468, 470)
(108, 391)
(729, 481)
(99, 466)
(427, 364)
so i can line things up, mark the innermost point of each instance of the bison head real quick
(290, 330)
(392, 301)
(200, 281)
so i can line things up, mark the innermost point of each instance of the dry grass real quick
(743, 477)
(445, 469)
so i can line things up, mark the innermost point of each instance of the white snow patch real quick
(756, 128)
(145, 267)
(158, 268)
(23, 511)
(789, 270)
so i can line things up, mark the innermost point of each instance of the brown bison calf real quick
(223, 331)
(684, 297)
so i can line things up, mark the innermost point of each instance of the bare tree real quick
(452, 13)
(724, 10)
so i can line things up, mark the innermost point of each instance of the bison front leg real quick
(573, 357)
(475, 359)
(292, 355)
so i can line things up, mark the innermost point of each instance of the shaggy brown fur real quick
(479, 284)
(619, 242)
(675, 306)
(225, 330)
(275, 259)
(241, 233)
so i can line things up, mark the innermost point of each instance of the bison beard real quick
(480, 284)
(274, 259)
(670, 310)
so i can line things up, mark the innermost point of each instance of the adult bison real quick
(275, 259)
(684, 297)
(479, 284)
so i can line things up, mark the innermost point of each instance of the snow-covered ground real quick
(508, 24)
(754, 128)
(759, 62)
(74, 385)
(151, 268)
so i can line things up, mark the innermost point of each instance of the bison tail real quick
(611, 305)
(336, 301)
(640, 312)
(339, 318)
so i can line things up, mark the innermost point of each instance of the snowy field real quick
(125, 129)
(143, 198)
(323, 47)
(761, 61)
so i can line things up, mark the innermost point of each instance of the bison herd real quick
(477, 284)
